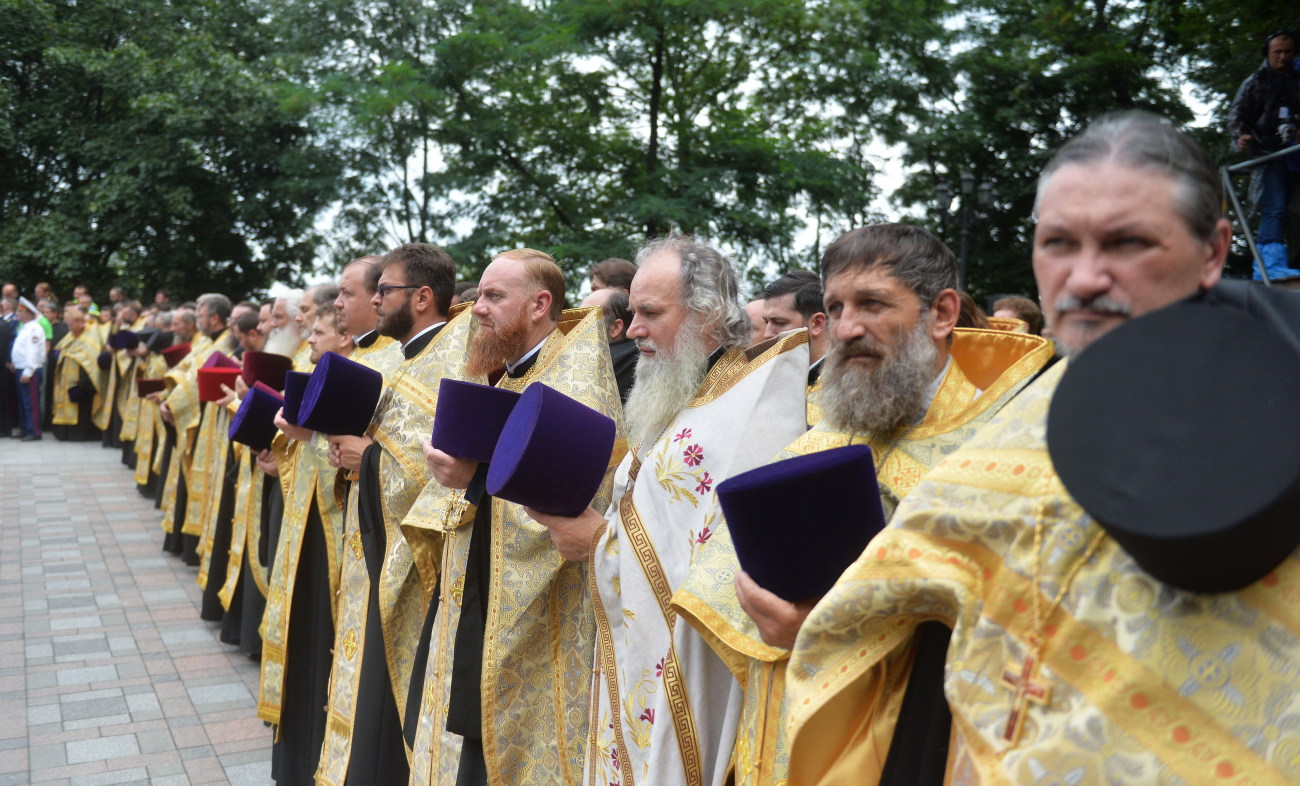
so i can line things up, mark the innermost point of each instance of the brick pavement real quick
(107, 674)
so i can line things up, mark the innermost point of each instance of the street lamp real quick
(976, 200)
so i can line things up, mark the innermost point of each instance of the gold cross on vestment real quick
(1024, 690)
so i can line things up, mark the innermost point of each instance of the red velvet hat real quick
(470, 417)
(176, 354)
(552, 454)
(254, 424)
(340, 397)
(797, 524)
(144, 387)
(211, 379)
(266, 367)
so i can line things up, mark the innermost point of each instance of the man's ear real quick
(423, 300)
(946, 307)
(1216, 253)
(542, 304)
(616, 329)
(817, 324)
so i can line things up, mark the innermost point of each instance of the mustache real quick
(862, 346)
(1098, 305)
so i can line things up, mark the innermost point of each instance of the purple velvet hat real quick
(797, 524)
(266, 367)
(340, 397)
(105, 360)
(219, 359)
(552, 454)
(470, 418)
(295, 382)
(124, 339)
(253, 425)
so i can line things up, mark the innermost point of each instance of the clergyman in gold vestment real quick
(1067, 660)
(505, 690)
(889, 293)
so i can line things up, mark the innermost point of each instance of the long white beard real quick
(665, 384)
(283, 341)
(880, 399)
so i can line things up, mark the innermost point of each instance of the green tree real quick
(582, 128)
(152, 144)
(1025, 77)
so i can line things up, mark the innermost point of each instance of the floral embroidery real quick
(677, 473)
(696, 539)
(637, 705)
(704, 485)
(659, 667)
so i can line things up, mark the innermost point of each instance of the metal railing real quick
(1227, 172)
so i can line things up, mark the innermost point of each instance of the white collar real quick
(422, 332)
(510, 367)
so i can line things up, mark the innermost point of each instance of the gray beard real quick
(665, 384)
(282, 341)
(881, 399)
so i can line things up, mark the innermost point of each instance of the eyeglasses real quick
(384, 289)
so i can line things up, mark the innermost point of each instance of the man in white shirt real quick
(27, 359)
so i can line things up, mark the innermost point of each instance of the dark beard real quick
(398, 323)
(881, 399)
(492, 346)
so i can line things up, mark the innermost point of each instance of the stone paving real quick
(107, 674)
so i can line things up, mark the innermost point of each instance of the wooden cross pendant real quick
(1024, 690)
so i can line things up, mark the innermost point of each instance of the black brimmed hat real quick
(1177, 432)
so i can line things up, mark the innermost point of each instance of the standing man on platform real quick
(28, 362)
(1265, 117)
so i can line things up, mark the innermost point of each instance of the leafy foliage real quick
(151, 144)
(224, 144)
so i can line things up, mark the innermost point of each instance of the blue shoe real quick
(1275, 262)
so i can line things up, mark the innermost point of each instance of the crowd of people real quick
(416, 621)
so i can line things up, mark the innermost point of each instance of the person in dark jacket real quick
(1262, 119)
